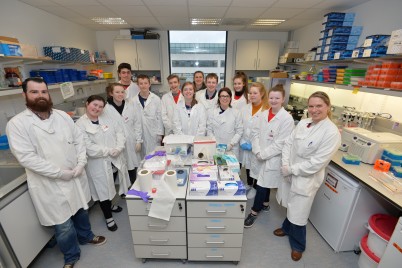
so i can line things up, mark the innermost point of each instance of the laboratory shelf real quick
(7, 60)
(346, 61)
(380, 91)
(15, 91)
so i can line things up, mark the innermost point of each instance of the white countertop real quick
(361, 173)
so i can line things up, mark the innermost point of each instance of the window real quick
(192, 51)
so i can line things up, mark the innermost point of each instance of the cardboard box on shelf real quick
(29, 51)
(294, 55)
(275, 74)
(9, 39)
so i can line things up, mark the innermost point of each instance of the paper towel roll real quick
(144, 178)
(171, 179)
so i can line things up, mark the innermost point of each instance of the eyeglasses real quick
(224, 96)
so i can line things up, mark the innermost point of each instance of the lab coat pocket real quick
(273, 163)
(302, 186)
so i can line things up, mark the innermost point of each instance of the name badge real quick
(125, 119)
(104, 128)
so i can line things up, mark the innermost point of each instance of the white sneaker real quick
(248, 187)
(251, 194)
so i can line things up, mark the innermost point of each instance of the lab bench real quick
(361, 173)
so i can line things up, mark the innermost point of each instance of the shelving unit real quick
(6, 60)
(381, 91)
(364, 61)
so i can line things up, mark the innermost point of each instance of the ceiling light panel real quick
(267, 22)
(195, 21)
(110, 21)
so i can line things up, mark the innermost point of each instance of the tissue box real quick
(203, 188)
(232, 162)
(204, 147)
(204, 173)
(10, 49)
(231, 188)
(225, 173)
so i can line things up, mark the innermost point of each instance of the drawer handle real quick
(215, 227)
(157, 226)
(158, 240)
(160, 254)
(216, 257)
(217, 242)
(216, 211)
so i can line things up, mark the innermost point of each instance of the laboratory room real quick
(230, 133)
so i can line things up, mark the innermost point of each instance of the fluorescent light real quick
(115, 21)
(205, 21)
(267, 22)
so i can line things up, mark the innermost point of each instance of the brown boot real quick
(279, 232)
(296, 255)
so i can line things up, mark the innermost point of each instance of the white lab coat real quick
(99, 140)
(132, 90)
(151, 119)
(194, 125)
(227, 127)
(45, 148)
(168, 109)
(238, 104)
(131, 122)
(208, 104)
(307, 152)
(249, 120)
(268, 139)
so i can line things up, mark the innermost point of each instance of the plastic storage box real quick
(351, 30)
(10, 49)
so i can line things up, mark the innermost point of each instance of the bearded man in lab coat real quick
(51, 148)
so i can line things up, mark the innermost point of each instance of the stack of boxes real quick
(353, 76)
(53, 76)
(338, 35)
(67, 54)
(374, 46)
(387, 75)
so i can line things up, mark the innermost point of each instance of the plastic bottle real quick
(311, 73)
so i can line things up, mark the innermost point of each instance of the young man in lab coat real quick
(169, 103)
(51, 148)
(124, 72)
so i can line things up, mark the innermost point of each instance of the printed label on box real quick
(67, 50)
(355, 53)
(368, 42)
(367, 53)
(56, 49)
(337, 55)
(328, 41)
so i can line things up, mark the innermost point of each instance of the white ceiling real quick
(176, 14)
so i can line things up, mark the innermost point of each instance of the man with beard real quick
(51, 148)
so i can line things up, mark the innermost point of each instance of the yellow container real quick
(107, 75)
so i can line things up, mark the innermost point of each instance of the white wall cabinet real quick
(257, 54)
(143, 55)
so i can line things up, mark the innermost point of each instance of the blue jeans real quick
(76, 229)
(261, 196)
(297, 235)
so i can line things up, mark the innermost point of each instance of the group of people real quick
(69, 163)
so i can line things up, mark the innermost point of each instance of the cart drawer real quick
(215, 225)
(216, 209)
(214, 254)
(139, 207)
(159, 238)
(160, 252)
(145, 223)
(215, 240)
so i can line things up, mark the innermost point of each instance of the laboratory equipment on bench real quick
(341, 209)
(369, 146)
(347, 136)
(392, 256)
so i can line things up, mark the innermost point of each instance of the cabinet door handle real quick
(217, 242)
(255, 63)
(215, 227)
(258, 62)
(216, 257)
(160, 254)
(216, 211)
(158, 240)
(139, 63)
(157, 226)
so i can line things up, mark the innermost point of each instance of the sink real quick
(10, 173)
(11, 177)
